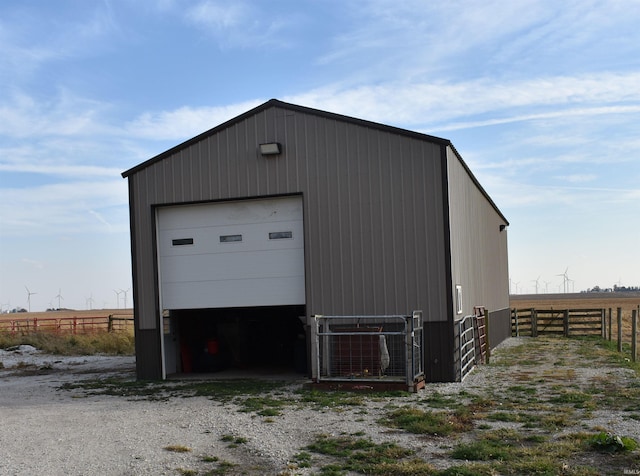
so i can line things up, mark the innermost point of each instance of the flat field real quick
(627, 302)
(90, 320)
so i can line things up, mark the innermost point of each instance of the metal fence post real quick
(610, 324)
(565, 322)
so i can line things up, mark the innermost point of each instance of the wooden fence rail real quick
(566, 322)
(68, 325)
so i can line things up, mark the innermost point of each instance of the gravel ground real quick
(47, 430)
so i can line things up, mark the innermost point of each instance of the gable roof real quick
(307, 110)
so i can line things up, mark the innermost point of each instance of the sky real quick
(541, 98)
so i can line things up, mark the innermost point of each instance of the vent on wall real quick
(230, 238)
(182, 241)
(280, 235)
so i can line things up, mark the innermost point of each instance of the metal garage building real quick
(241, 234)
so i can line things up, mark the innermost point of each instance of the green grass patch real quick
(483, 450)
(234, 441)
(264, 406)
(364, 456)
(415, 420)
(575, 398)
(610, 443)
(241, 392)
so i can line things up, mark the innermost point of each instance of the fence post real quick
(110, 323)
(619, 329)
(534, 323)
(634, 335)
(603, 329)
(610, 325)
(565, 322)
(515, 313)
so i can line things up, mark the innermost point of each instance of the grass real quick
(363, 456)
(422, 422)
(111, 343)
(546, 391)
(178, 448)
(234, 441)
(248, 395)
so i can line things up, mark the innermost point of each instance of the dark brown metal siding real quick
(148, 365)
(478, 246)
(499, 326)
(373, 208)
(439, 352)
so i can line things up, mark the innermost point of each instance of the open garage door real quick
(232, 254)
(228, 272)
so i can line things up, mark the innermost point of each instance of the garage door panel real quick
(221, 266)
(258, 262)
(208, 239)
(232, 213)
(233, 293)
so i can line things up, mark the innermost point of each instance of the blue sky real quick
(541, 98)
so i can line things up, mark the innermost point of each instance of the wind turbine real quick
(546, 286)
(565, 278)
(89, 301)
(29, 294)
(117, 298)
(536, 281)
(59, 297)
(125, 296)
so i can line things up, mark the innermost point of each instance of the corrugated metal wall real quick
(375, 235)
(478, 245)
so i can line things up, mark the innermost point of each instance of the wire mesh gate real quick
(372, 349)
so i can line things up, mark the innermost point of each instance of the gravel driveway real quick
(54, 431)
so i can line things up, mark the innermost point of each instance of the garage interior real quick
(267, 340)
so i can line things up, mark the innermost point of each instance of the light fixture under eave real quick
(270, 148)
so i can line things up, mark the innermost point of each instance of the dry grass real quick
(585, 301)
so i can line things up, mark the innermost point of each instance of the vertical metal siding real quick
(373, 208)
(478, 247)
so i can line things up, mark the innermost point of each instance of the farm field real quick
(66, 313)
(626, 301)
(65, 320)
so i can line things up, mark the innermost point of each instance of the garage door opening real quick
(260, 340)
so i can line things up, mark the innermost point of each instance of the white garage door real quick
(232, 254)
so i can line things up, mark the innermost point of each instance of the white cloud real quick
(218, 15)
(82, 171)
(241, 24)
(23, 116)
(577, 178)
(185, 122)
(434, 103)
(81, 206)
